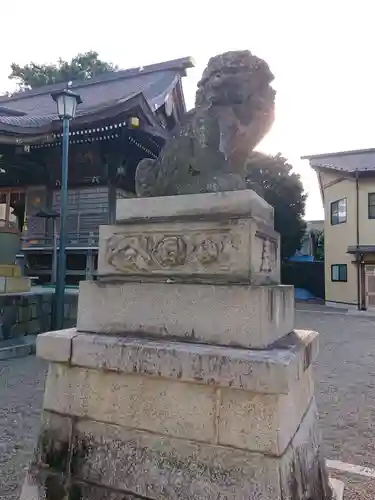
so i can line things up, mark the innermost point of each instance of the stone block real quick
(263, 422)
(230, 204)
(10, 271)
(155, 467)
(14, 285)
(50, 461)
(210, 238)
(239, 251)
(54, 441)
(158, 467)
(158, 405)
(246, 316)
(303, 473)
(272, 371)
(56, 345)
(109, 461)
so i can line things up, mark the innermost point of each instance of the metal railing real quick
(82, 240)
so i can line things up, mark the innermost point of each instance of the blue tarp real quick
(302, 294)
(302, 258)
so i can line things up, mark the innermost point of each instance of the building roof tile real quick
(361, 160)
(35, 109)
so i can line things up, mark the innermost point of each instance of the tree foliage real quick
(318, 244)
(272, 178)
(81, 67)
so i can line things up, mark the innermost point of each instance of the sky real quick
(320, 51)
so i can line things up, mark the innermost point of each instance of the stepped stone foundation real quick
(184, 378)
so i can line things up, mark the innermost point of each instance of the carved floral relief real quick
(150, 252)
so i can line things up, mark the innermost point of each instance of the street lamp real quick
(67, 102)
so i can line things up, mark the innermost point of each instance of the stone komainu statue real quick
(234, 109)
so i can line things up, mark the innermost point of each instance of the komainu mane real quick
(234, 109)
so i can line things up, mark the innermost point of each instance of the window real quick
(371, 205)
(339, 272)
(338, 212)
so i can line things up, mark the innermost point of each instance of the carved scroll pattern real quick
(158, 252)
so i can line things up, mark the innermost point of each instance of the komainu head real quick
(235, 78)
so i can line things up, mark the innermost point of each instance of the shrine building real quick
(125, 116)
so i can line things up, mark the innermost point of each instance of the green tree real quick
(318, 244)
(272, 178)
(81, 67)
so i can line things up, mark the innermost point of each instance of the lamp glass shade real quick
(66, 103)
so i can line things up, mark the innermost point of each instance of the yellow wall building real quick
(347, 184)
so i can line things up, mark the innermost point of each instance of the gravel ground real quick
(21, 393)
(345, 389)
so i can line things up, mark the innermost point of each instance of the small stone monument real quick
(184, 378)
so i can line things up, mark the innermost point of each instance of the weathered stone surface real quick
(51, 461)
(214, 237)
(56, 345)
(240, 251)
(167, 468)
(303, 473)
(234, 110)
(263, 422)
(162, 467)
(132, 464)
(248, 420)
(54, 443)
(158, 405)
(272, 371)
(214, 206)
(246, 316)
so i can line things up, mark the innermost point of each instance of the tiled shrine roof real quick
(33, 111)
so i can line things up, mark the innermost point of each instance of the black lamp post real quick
(67, 102)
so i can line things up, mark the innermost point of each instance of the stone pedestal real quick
(11, 280)
(184, 378)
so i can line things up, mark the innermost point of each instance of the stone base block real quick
(118, 460)
(254, 400)
(10, 271)
(14, 285)
(129, 418)
(265, 371)
(210, 238)
(246, 316)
